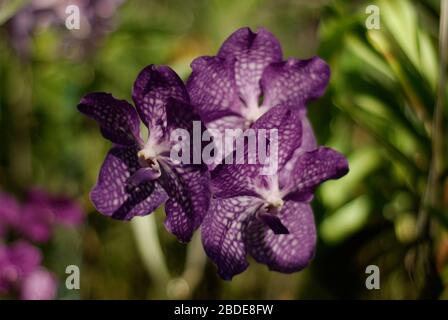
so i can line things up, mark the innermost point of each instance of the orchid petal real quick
(114, 197)
(118, 120)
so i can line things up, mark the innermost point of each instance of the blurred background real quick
(390, 210)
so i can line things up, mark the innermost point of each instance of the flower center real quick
(253, 111)
(152, 149)
(273, 201)
(149, 166)
(274, 206)
(268, 189)
(147, 157)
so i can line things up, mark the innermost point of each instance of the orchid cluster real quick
(241, 210)
(96, 20)
(22, 228)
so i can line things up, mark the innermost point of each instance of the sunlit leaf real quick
(9, 8)
(401, 20)
(361, 50)
(345, 221)
(362, 162)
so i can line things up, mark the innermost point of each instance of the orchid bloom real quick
(21, 270)
(248, 77)
(269, 216)
(138, 176)
(38, 215)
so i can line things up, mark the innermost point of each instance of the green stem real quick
(432, 198)
(184, 286)
(195, 262)
(432, 195)
(148, 244)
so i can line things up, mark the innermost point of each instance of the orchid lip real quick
(147, 159)
(268, 214)
(143, 175)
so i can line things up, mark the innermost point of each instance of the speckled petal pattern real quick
(189, 195)
(154, 86)
(284, 252)
(253, 52)
(222, 233)
(212, 88)
(294, 82)
(118, 120)
(114, 197)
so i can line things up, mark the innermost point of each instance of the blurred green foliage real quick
(377, 110)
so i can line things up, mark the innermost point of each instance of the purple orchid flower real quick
(16, 262)
(39, 214)
(269, 216)
(39, 285)
(96, 21)
(138, 176)
(248, 77)
(21, 271)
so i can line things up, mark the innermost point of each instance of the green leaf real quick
(361, 50)
(428, 58)
(9, 8)
(362, 163)
(400, 18)
(345, 221)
